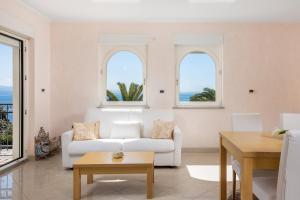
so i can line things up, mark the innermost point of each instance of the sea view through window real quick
(6, 85)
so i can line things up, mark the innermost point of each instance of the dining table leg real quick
(223, 171)
(246, 179)
(89, 178)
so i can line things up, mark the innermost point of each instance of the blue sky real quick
(118, 67)
(6, 65)
(197, 71)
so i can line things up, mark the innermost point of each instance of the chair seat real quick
(264, 188)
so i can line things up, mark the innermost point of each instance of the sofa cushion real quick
(86, 131)
(150, 115)
(148, 144)
(162, 129)
(125, 129)
(106, 145)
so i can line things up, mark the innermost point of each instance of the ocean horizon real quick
(183, 96)
(6, 97)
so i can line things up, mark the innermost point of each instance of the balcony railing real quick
(6, 111)
(6, 118)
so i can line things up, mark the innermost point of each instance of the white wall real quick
(263, 57)
(23, 20)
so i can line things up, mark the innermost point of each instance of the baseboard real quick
(200, 150)
(6, 168)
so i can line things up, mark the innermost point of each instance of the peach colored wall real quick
(39, 62)
(264, 57)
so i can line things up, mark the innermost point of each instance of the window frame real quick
(142, 56)
(215, 52)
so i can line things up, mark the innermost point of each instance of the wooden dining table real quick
(253, 150)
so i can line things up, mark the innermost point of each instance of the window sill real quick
(197, 107)
(123, 107)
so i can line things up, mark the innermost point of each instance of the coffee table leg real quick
(89, 178)
(153, 176)
(76, 184)
(150, 183)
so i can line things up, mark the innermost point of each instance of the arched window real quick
(124, 78)
(198, 79)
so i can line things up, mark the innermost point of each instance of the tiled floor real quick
(197, 178)
(6, 155)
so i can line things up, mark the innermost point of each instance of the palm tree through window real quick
(125, 79)
(197, 78)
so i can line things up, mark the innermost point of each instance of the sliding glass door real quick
(11, 99)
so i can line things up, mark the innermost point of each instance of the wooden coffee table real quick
(103, 163)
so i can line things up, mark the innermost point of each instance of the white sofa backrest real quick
(108, 116)
(290, 121)
(145, 117)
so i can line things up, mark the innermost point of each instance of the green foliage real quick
(134, 93)
(3, 113)
(6, 131)
(208, 94)
(281, 132)
(111, 96)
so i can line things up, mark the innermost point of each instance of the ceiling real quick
(169, 10)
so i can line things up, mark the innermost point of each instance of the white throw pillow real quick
(125, 129)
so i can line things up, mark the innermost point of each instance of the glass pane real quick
(124, 77)
(6, 186)
(197, 78)
(9, 100)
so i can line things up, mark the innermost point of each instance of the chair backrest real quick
(246, 122)
(289, 176)
(144, 116)
(290, 121)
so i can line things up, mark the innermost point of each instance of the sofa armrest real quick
(176, 134)
(177, 137)
(66, 139)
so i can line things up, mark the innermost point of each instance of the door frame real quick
(23, 99)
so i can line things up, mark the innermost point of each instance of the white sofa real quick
(167, 151)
